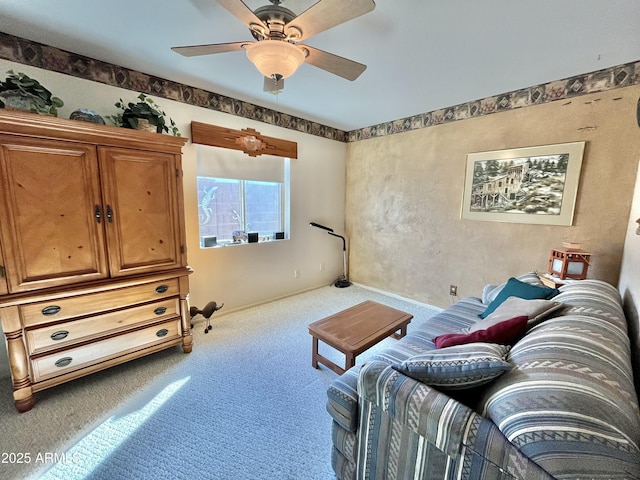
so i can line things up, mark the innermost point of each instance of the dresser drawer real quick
(74, 331)
(59, 363)
(66, 308)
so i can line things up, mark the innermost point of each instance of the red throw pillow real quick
(504, 333)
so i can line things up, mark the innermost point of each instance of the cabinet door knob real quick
(162, 288)
(97, 213)
(109, 214)
(160, 310)
(51, 310)
(59, 335)
(63, 362)
(162, 332)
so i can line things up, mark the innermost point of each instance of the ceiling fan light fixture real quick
(275, 58)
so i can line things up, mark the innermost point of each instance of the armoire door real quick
(140, 200)
(50, 213)
(4, 288)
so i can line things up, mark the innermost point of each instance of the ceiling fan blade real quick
(210, 49)
(340, 66)
(326, 14)
(243, 13)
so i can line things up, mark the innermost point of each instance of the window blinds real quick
(225, 163)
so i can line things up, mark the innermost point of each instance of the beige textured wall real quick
(404, 195)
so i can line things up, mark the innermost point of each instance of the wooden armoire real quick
(93, 268)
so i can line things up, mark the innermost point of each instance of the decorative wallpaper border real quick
(599, 81)
(35, 54)
(27, 52)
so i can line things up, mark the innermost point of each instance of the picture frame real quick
(536, 185)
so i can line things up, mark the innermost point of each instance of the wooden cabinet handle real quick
(162, 332)
(59, 335)
(162, 288)
(63, 362)
(51, 310)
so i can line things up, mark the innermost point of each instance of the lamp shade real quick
(275, 58)
(569, 263)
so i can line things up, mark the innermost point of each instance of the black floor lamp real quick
(343, 280)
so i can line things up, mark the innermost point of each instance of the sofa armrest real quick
(342, 402)
(437, 425)
(425, 410)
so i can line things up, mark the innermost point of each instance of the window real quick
(227, 207)
(239, 195)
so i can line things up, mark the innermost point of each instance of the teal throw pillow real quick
(517, 288)
(458, 367)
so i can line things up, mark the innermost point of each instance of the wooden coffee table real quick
(354, 330)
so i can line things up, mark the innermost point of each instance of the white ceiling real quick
(421, 54)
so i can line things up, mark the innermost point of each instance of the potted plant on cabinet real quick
(143, 115)
(21, 92)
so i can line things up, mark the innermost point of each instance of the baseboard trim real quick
(225, 312)
(399, 297)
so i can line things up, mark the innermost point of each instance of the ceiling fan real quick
(277, 30)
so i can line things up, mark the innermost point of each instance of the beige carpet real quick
(245, 404)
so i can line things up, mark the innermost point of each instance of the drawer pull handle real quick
(59, 335)
(162, 288)
(63, 362)
(162, 332)
(50, 310)
(160, 310)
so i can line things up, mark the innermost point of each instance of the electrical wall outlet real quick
(453, 290)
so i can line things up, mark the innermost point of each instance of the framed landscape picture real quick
(523, 185)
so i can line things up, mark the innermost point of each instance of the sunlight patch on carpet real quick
(96, 446)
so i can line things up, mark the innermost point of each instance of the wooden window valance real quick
(248, 140)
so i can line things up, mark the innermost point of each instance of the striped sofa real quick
(567, 409)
